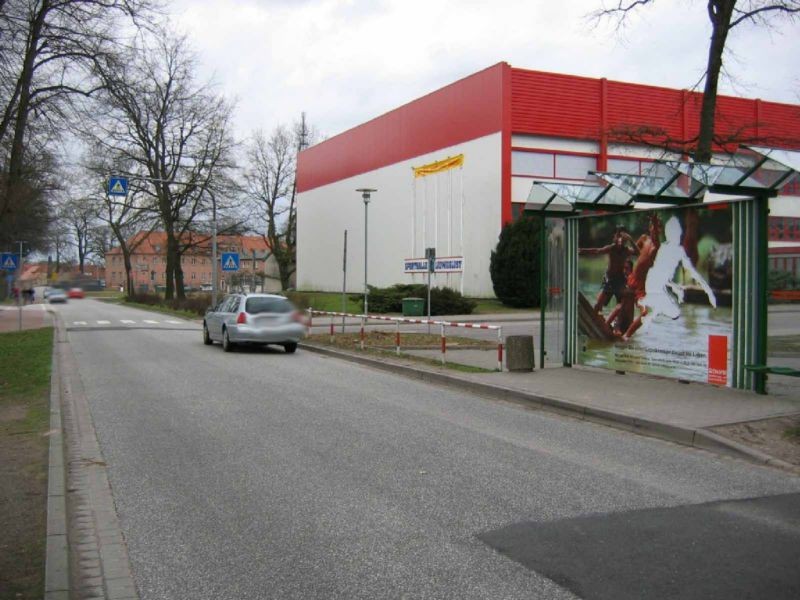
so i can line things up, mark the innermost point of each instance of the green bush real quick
(781, 280)
(444, 301)
(514, 264)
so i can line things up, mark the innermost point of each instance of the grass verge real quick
(784, 343)
(184, 314)
(25, 361)
(110, 294)
(381, 344)
(326, 301)
(489, 306)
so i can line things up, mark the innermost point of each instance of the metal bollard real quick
(397, 336)
(500, 349)
(444, 346)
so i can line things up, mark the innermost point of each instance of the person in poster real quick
(619, 250)
(657, 299)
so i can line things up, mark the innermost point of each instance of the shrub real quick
(514, 264)
(444, 301)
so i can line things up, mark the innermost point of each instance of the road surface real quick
(258, 474)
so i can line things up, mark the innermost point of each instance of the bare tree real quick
(47, 52)
(171, 131)
(79, 215)
(724, 15)
(270, 184)
(130, 221)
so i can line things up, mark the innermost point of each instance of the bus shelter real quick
(663, 272)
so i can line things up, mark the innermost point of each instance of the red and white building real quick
(500, 128)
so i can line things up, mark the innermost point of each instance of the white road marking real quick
(174, 322)
(104, 322)
(127, 321)
(150, 322)
(79, 322)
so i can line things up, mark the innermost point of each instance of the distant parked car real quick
(54, 295)
(254, 319)
(76, 292)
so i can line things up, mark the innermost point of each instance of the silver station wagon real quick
(254, 319)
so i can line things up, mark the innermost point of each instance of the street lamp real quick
(365, 195)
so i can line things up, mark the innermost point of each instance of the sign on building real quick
(443, 264)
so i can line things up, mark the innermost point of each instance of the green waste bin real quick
(413, 307)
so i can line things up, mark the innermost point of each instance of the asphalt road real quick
(258, 474)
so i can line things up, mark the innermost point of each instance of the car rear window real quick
(268, 305)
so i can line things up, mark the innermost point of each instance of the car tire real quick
(206, 338)
(227, 344)
(290, 347)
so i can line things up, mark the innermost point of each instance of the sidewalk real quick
(667, 409)
(34, 316)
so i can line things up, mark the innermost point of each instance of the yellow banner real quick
(439, 166)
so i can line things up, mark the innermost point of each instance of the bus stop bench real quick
(788, 371)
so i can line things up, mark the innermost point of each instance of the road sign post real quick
(430, 254)
(230, 261)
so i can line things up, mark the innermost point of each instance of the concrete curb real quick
(56, 578)
(97, 553)
(696, 438)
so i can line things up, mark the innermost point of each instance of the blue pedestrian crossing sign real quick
(9, 261)
(230, 261)
(117, 186)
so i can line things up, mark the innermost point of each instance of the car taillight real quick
(299, 317)
(241, 319)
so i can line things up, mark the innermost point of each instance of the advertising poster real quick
(654, 292)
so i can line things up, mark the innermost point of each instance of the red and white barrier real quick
(398, 320)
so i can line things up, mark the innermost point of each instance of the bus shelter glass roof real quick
(754, 170)
(570, 197)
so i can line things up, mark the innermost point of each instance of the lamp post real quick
(214, 276)
(19, 285)
(365, 195)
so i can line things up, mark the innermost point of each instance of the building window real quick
(194, 275)
(155, 260)
(194, 260)
(624, 166)
(552, 165)
(541, 164)
(574, 167)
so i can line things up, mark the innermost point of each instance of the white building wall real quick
(325, 212)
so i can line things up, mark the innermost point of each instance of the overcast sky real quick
(346, 61)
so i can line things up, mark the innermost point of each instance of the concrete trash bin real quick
(519, 353)
(413, 307)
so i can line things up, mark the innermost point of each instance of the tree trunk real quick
(719, 13)
(129, 285)
(179, 289)
(17, 156)
(172, 251)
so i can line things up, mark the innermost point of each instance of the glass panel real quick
(554, 311)
(624, 166)
(258, 305)
(783, 284)
(574, 167)
(532, 163)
